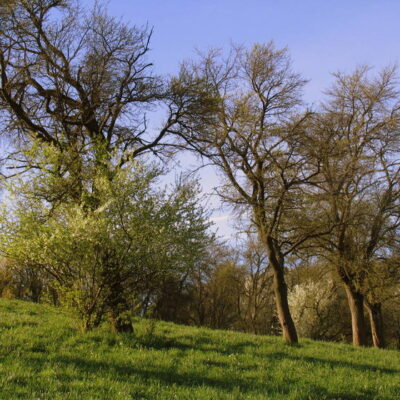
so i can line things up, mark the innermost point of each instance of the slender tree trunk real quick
(280, 292)
(356, 305)
(376, 321)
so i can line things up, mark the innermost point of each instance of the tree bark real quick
(356, 305)
(280, 291)
(377, 326)
(119, 309)
(116, 303)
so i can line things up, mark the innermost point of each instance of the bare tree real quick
(356, 147)
(79, 83)
(249, 133)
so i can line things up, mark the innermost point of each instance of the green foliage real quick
(134, 237)
(45, 357)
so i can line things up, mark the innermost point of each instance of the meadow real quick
(44, 355)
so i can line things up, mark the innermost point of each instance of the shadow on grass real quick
(165, 376)
(199, 343)
(226, 380)
(321, 393)
(207, 344)
(129, 373)
(332, 363)
(4, 326)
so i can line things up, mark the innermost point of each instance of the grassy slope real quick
(44, 356)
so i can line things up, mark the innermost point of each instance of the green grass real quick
(45, 356)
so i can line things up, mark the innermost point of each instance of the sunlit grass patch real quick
(45, 356)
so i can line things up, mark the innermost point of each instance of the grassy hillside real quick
(44, 356)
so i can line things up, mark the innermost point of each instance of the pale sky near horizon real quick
(323, 36)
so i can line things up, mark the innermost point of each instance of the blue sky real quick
(323, 36)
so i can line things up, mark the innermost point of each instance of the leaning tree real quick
(248, 127)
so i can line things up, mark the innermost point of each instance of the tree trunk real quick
(119, 309)
(376, 321)
(356, 305)
(116, 303)
(280, 291)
